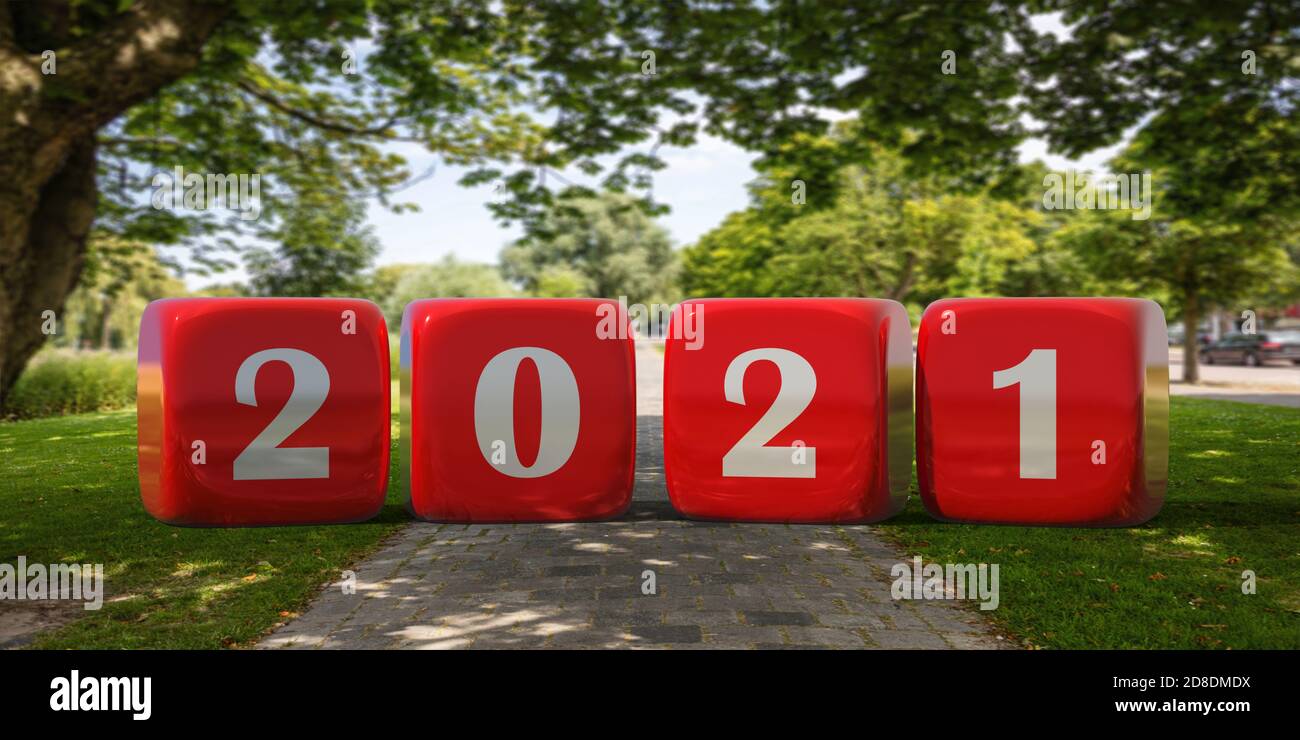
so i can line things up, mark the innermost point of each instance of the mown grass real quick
(1233, 505)
(68, 493)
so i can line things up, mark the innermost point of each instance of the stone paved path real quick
(718, 585)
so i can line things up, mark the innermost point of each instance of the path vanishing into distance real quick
(578, 585)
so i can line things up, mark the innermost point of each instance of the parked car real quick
(1253, 349)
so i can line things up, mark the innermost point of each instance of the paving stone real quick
(906, 639)
(763, 618)
(572, 570)
(828, 636)
(783, 646)
(850, 621)
(627, 618)
(676, 633)
(743, 636)
(707, 618)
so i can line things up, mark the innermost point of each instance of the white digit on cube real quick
(749, 458)
(494, 411)
(1036, 375)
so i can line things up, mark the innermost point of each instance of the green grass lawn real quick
(1233, 504)
(68, 493)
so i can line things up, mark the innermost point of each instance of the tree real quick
(394, 286)
(1197, 263)
(1211, 88)
(48, 152)
(881, 231)
(730, 260)
(561, 281)
(606, 246)
(323, 247)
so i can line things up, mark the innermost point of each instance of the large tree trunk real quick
(47, 140)
(42, 266)
(1191, 348)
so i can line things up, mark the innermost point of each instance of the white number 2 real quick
(1036, 375)
(263, 459)
(749, 458)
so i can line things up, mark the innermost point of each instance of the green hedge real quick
(67, 382)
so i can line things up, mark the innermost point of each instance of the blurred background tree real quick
(322, 247)
(604, 246)
(394, 286)
(881, 231)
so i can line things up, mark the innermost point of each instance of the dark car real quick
(1254, 349)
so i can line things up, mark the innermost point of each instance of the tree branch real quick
(311, 119)
(126, 141)
(150, 45)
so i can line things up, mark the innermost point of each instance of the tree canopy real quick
(394, 286)
(882, 232)
(603, 246)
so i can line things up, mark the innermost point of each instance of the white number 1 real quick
(1036, 375)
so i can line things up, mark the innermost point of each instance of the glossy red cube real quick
(788, 409)
(517, 409)
(1050, 411)
(263, 411)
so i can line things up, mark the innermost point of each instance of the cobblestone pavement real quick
(717, 585)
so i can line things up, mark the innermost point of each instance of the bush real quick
(61, 382)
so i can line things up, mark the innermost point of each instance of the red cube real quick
(263, 411)
(788, 409)
(1043, 410)
(517, 409)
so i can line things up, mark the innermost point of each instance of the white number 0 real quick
(1036, 375)
(263, 459)
(749, 458)
(494, 411)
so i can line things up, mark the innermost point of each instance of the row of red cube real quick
(276, 411)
